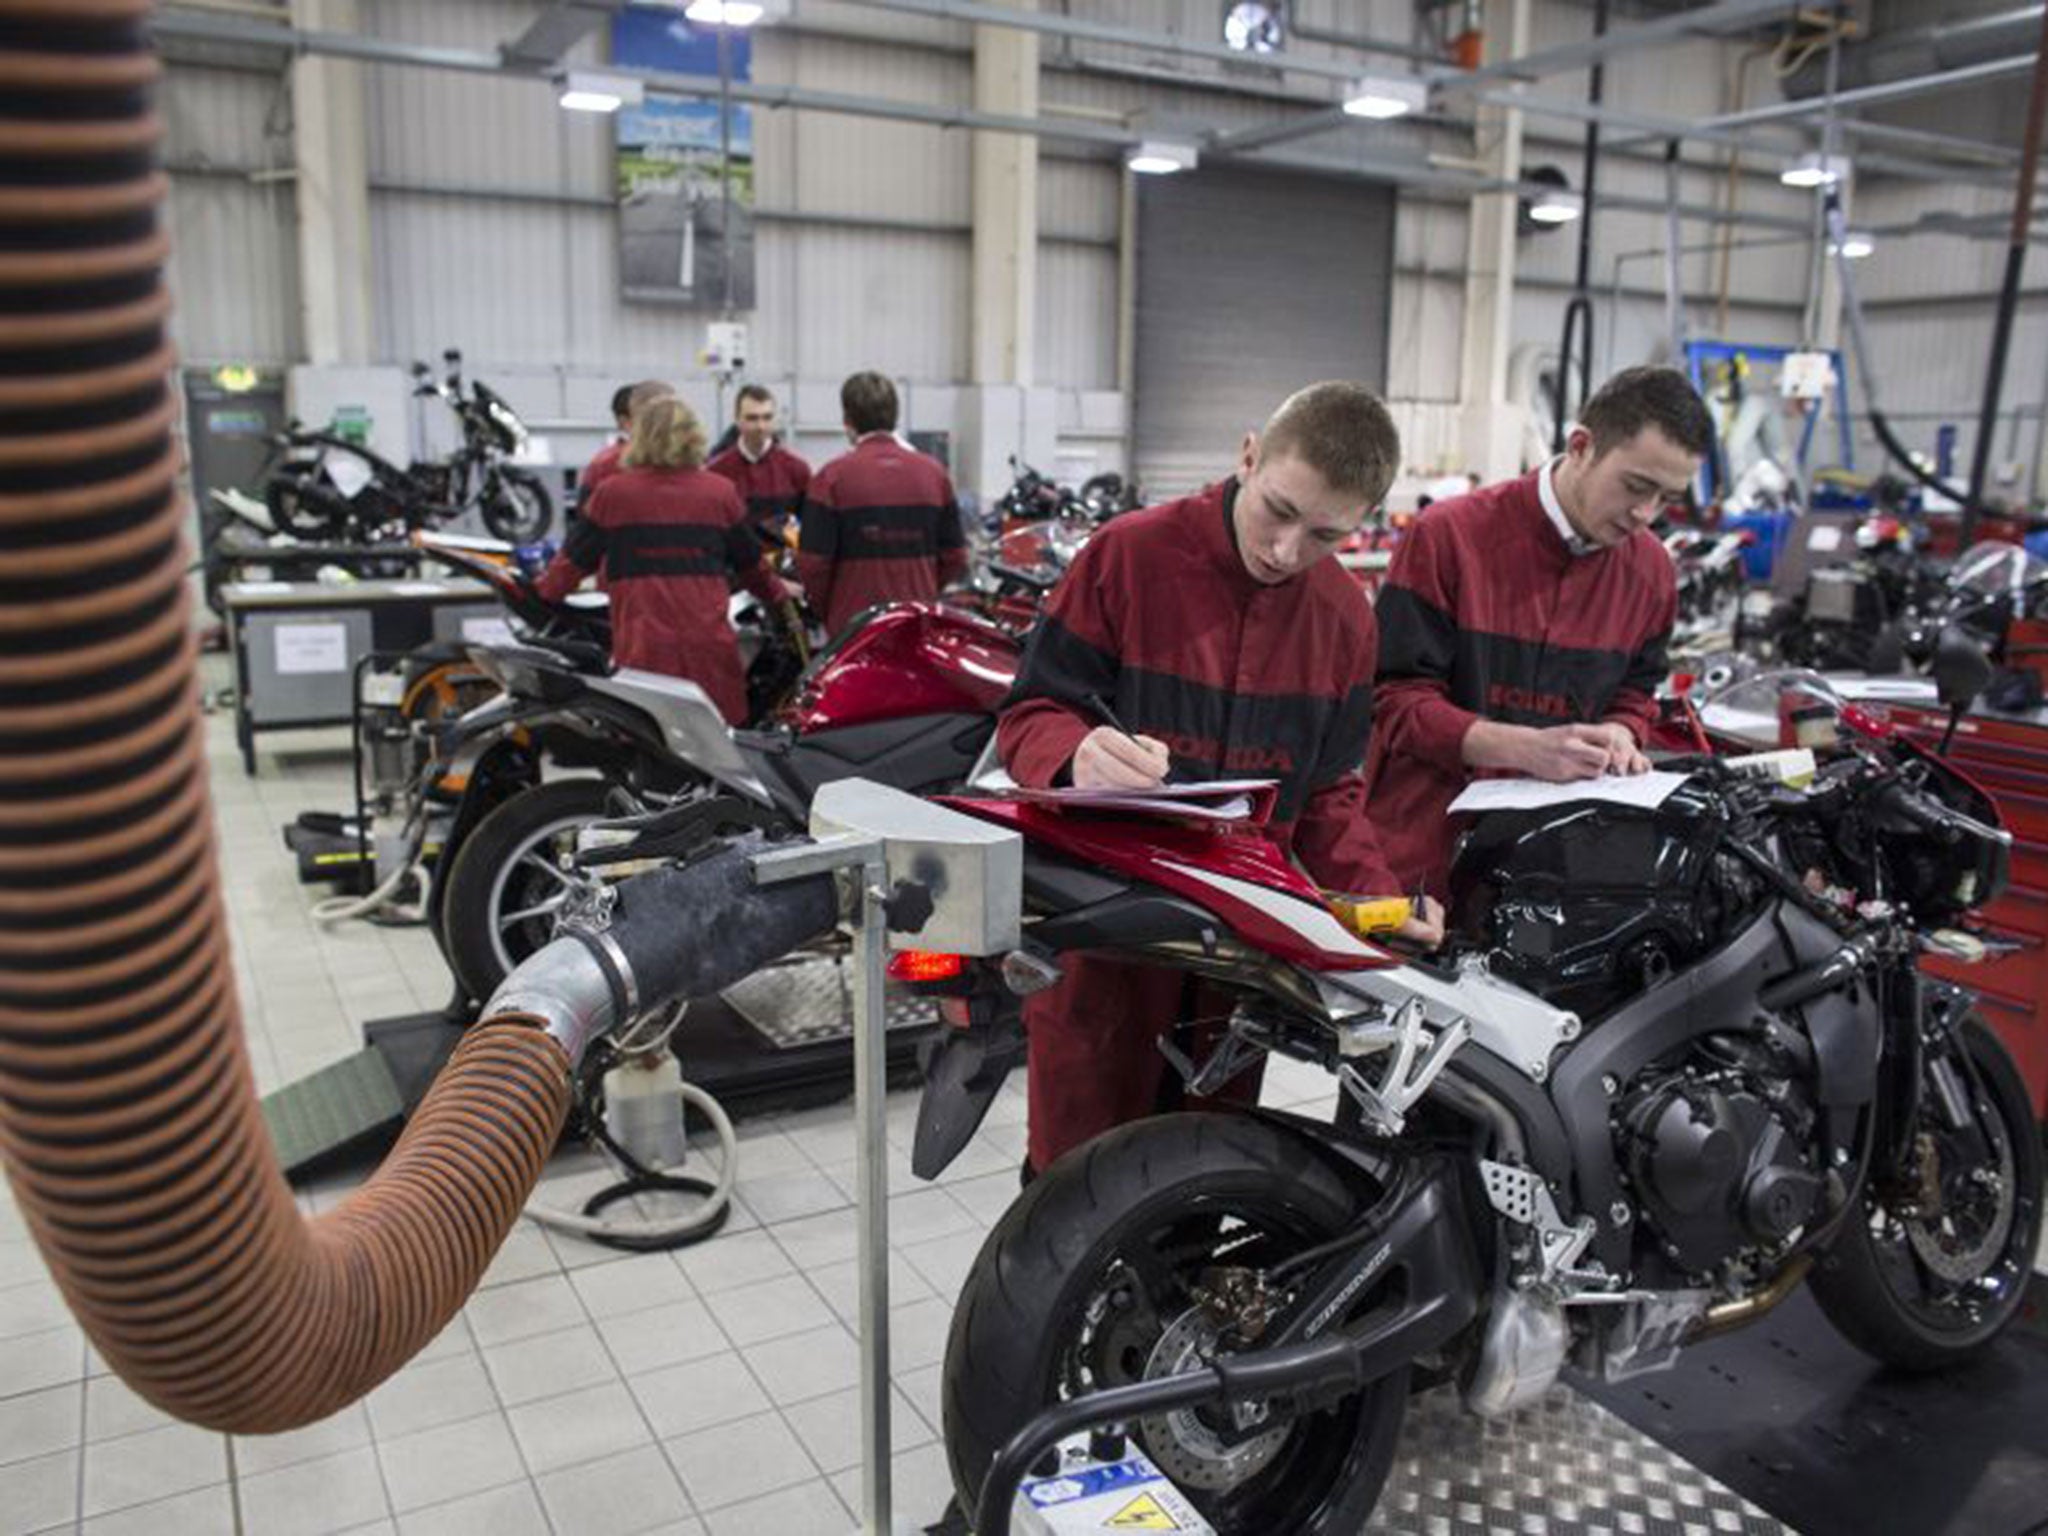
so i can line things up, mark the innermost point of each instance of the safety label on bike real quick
(1125, 1495)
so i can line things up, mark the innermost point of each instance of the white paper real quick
(419, 588)
(1825, 537)
(488, 631)
(259, 586)
(310, 648)
(1645, 791)
(1206, 800)
(349, 473)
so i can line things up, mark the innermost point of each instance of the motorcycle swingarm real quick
(1419, 1228)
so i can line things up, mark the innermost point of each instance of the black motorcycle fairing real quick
(1543, 1136)
(1716, 994)
(918, 754)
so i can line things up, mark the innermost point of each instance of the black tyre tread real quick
(991, 1354)
(503, 527)
(465, 922)
(1848, 1283)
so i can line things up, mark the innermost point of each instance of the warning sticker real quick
(1144, 1513)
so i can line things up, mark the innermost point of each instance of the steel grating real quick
(808, 1000)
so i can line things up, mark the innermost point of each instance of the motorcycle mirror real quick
(419, 369)
(1961, 669)
(451, 355)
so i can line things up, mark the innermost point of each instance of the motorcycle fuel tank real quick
(908, 659)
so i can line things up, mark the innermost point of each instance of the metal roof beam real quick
(1726, 16)
(550, 36)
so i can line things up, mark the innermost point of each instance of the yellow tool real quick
(1367, 918)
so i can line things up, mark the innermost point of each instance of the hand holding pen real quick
(1113, 757)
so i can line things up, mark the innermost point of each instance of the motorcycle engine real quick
(1720, 1151)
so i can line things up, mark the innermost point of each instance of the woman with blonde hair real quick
(671, 540)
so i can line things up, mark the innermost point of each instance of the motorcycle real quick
(1670, 1063)
(908, 698)
(321, 486)
(1858, 616)
(1711, 584)
(1010, 582)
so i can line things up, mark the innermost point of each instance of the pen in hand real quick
(1102, 710)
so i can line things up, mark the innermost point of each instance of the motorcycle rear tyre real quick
(1039, 1263)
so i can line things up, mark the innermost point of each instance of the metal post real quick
(871, 1095)
(725, 161)
(2008, 297)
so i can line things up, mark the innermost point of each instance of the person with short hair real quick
(771, 480)
(626, 399)
(671, 540)
(880, 523)
(1524, 626)
(1219, 632)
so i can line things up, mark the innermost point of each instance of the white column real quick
(1005, 176)
(1489, 428)
(331, 145)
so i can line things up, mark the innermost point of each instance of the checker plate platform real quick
(808, 1000)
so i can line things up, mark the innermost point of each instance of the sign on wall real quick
(686, 209)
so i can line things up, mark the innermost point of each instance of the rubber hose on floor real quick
(129, 1123)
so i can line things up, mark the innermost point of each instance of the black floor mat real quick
(1796, 1419)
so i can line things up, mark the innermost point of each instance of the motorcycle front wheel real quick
(516, 507)
(1091, 1280)
(1937, 1262)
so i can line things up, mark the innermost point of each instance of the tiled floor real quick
(582, 1392)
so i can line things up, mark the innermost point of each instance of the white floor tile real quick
(527, 1370)
(740, 1460)
(113, 1408)
(662, 1336)
(632, 1285)
(769, 1310)
(618, 1496)
(39, 1493)
(38, 1360)
(423, 1396)
(141, 1468)
(513, 1510)
(919, 1485)
(559, 1432)
(523, 1309)
(805, 1365)
(811, 1506)
(38, 1423)
(311, 1498)
(203, 1512)
(338, 1432)
(35, 1306)
(683, 1399)
(731, 1260)
(437, 1465)
(830, 1427)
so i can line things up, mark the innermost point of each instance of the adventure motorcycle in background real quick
(1670, 1063)
(1712, 582)
(324, 487)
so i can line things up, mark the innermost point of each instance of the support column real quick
(1489, 429)
(330, 142)
(1002, 413)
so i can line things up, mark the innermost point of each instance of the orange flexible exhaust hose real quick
(129, 1123)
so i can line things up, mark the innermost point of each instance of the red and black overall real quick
(880, 524)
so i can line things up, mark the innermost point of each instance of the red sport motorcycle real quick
(1671, 1062)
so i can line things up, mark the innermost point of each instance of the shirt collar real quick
(883, 436)
(753, 458)
(1546, 492)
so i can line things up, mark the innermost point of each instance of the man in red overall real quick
(880, 523)
(1523, 626)
(1218, 631)
(671, 539)
(605, 462)
(770, 479)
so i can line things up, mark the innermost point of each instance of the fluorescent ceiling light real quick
(724, 13)
(1556, 207)
(589, 91)
(1384, 96)
(1160, 157)
(1815, 170)
(1856, 244)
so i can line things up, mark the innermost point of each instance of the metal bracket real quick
(1403, 1079)
(1523, 1198)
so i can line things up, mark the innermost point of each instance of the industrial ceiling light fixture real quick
(1856, 244)
(1814, 169)
(1161, 157)
(587, 90)
(1385, 96)
(724, 13)
(1255, 26)
(1557, 206)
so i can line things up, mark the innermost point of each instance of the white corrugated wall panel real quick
(1079, 199)
(489, 278)
(234, 271)
(830, 163)
(1076, 339)
(437, 127)
(234, 274)
(890, 300)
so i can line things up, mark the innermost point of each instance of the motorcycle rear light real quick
(924, 965)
